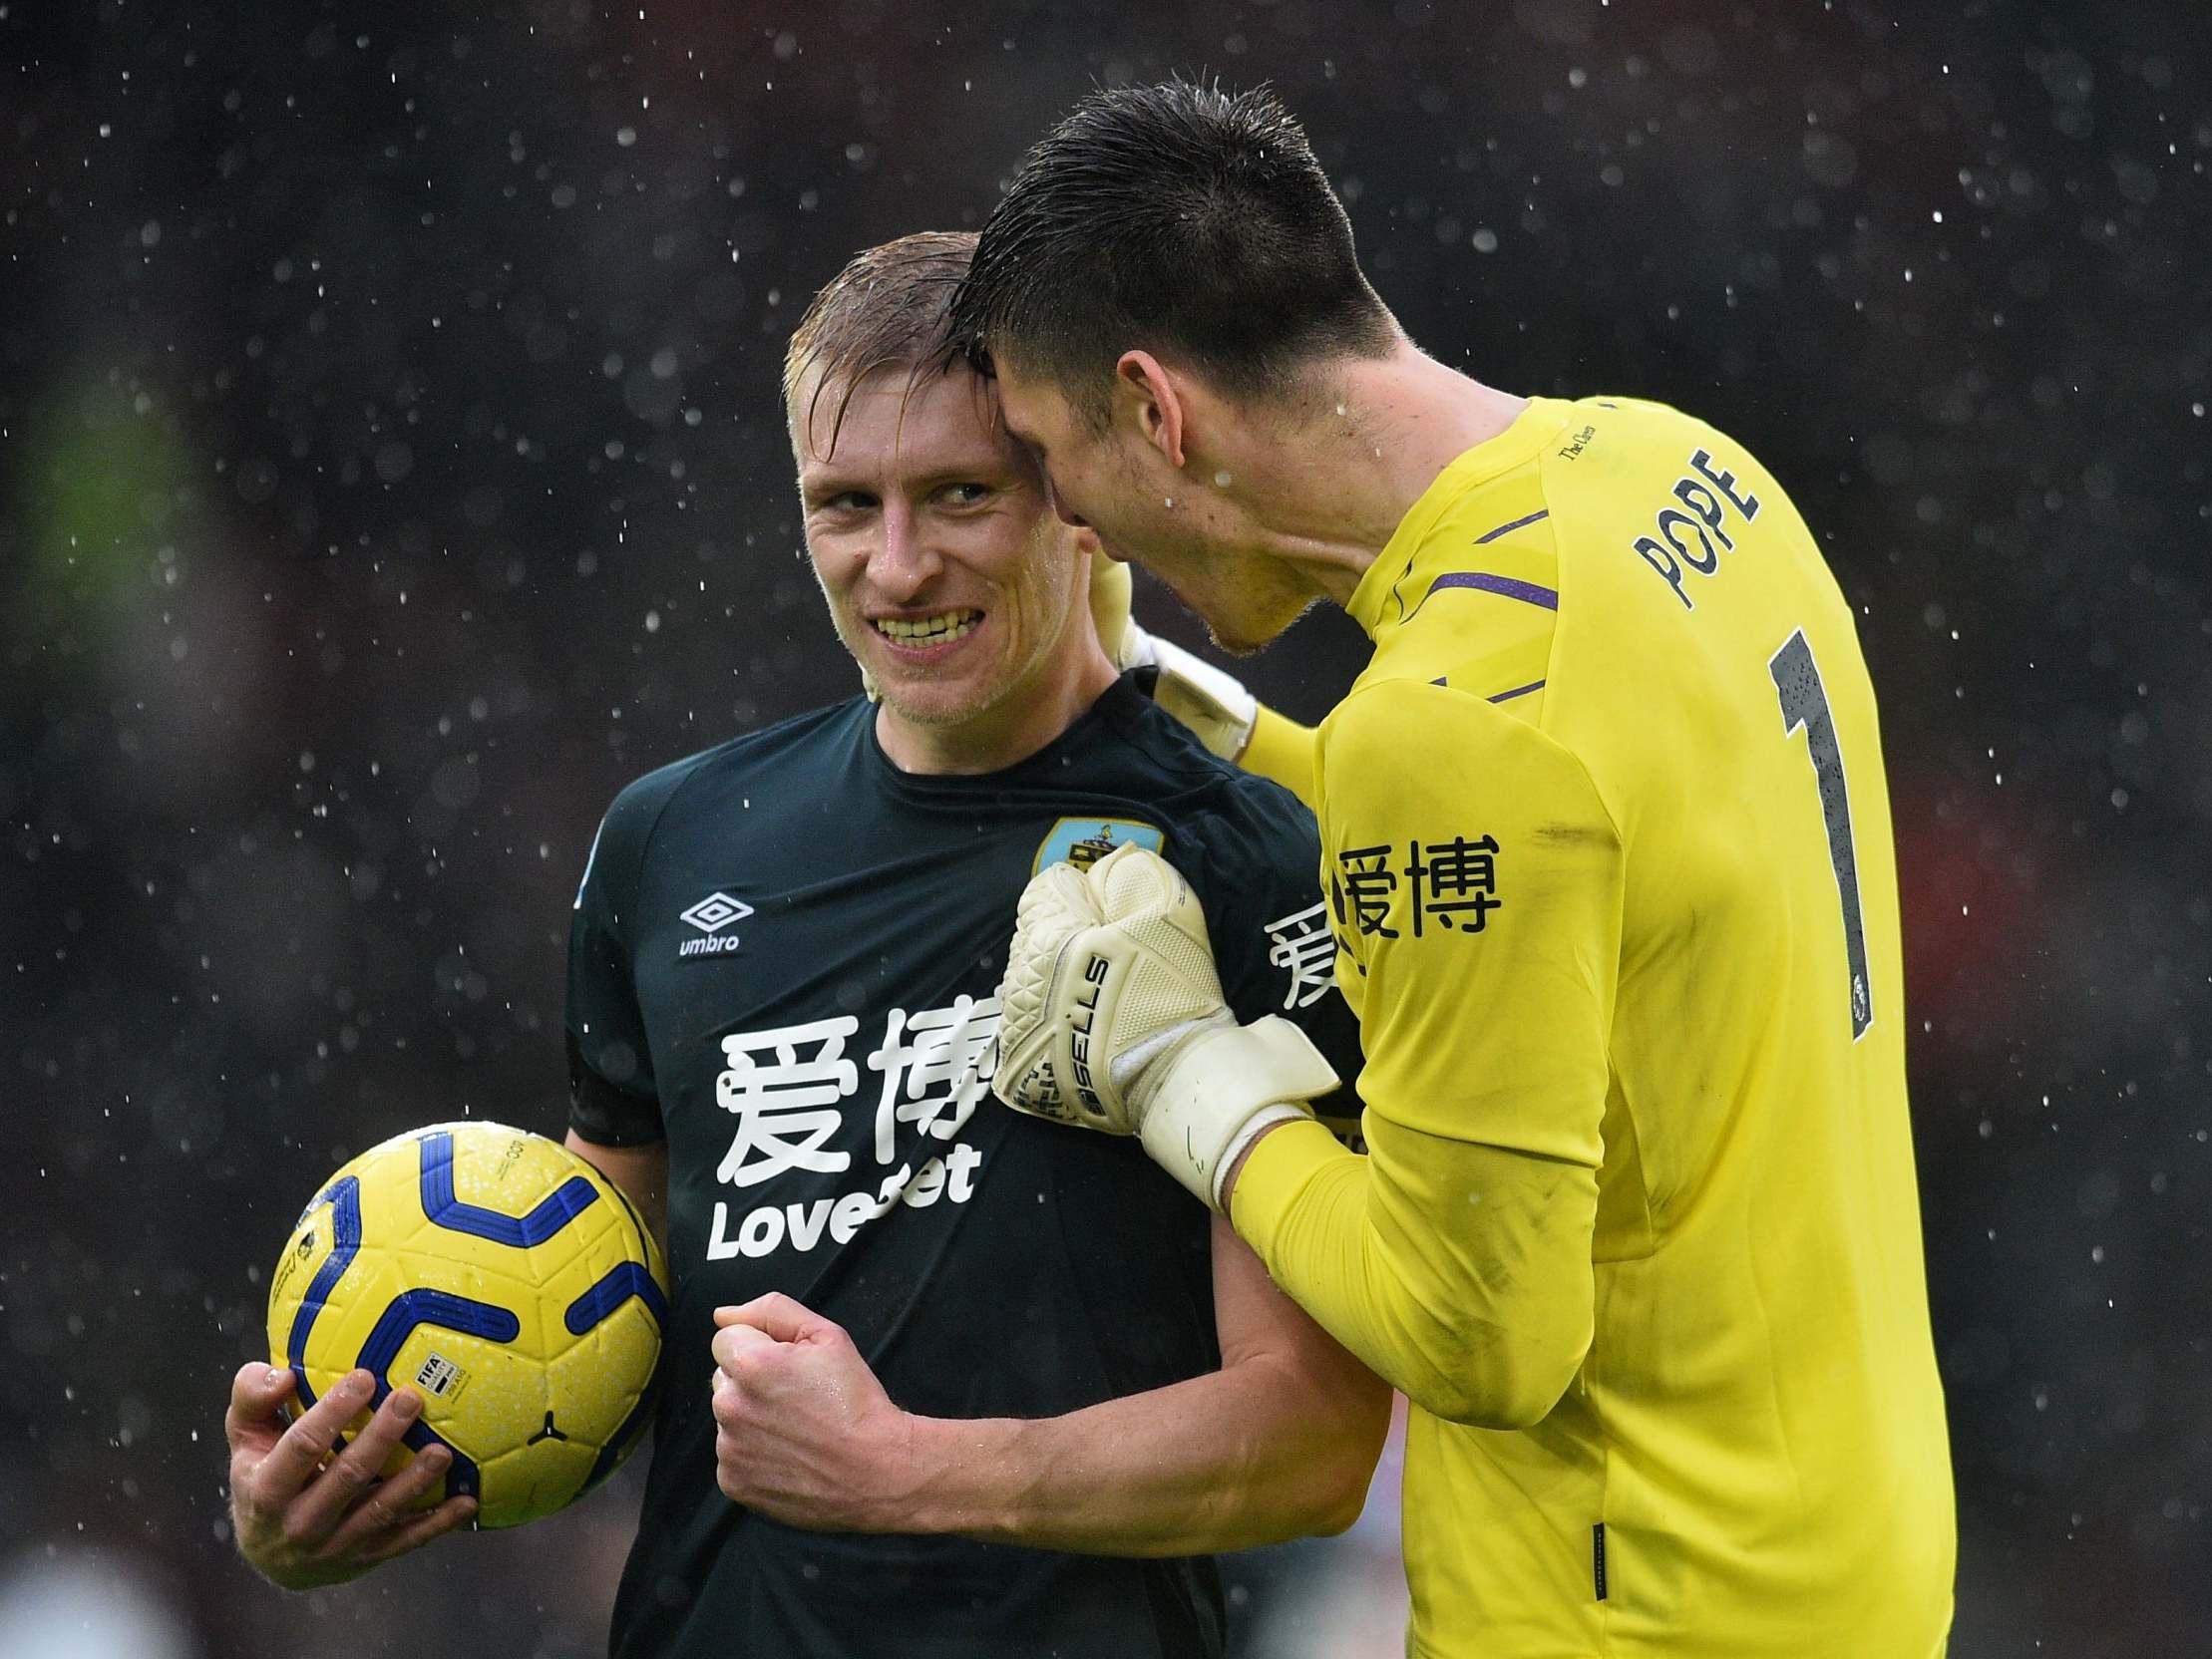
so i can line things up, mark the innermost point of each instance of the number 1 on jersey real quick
(1805, 703)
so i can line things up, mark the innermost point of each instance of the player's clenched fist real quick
(1112, 1017)
(804, 1432)
(304, 1519)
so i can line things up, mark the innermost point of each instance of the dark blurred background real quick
(391, 468)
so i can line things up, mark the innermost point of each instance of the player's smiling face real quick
(946, 573)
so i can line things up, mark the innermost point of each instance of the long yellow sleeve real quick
(1484, 1324)
(1478, 928)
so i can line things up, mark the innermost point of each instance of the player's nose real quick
(902, 561)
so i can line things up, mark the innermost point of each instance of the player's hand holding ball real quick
(304, 1519)
(465, 1323)
(804, 1432)
(1113, 1019)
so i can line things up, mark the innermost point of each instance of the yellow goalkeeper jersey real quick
(1606, 844)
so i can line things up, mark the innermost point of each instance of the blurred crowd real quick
(391, 468)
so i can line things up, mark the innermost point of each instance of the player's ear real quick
(1150, 397)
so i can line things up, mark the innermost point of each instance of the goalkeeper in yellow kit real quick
(1606, 850)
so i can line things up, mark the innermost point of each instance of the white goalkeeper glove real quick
(1112, 1018)
(1215, 705)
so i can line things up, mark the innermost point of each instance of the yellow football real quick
(504, 1278)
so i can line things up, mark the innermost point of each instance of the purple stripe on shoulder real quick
(1517, 691)
(1507, 586)
(1537, 516)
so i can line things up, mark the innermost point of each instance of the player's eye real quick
(967, 494)
(845, 501)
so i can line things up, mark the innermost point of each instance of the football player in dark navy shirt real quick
(980, 1384)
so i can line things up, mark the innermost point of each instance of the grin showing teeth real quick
(939, 629)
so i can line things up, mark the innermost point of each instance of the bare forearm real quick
(1213, 1464)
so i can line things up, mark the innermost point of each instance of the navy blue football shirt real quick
(784, 961)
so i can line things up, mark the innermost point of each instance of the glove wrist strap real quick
(1228, 1084)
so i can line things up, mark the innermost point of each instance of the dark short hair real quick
(888, 308)
(1178, 218)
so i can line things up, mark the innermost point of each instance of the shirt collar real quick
(1469, 468)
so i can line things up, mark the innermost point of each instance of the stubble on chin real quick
(934, 712)
(1270, 614)
(1231, 646)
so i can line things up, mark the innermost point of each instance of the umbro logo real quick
(710, 916)
(716, 911)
